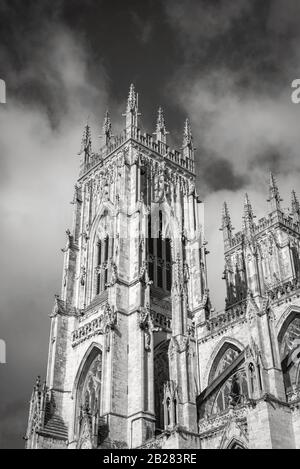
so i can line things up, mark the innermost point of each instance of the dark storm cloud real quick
(235, 84)
(226, 64)
(216, 174)
(254, 40)
(271, 159)
(144, 27)
(41, 60)
(240, 60)
(46, 66)
(12, 418)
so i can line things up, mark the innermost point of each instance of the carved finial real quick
(161, 131)
(226, 220)
(107, 128)
(247, 206)
(38, 383)
(295, 202)
(132, 112)
(160, 125)
(226, 227)
(187, 134)
(274, 196)
(86, 143)
(248, 214)
(132, 99)
(188, 147)
(295, 207)
(44, 388)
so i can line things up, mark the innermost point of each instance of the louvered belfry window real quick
(159, 255)
(102, 265)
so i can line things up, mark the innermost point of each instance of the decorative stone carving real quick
(85, 439)
(218, 422)
(102, 324)
(252, 307)
(206, 304)
(82, 276)
(186, 272)
(63, 308)
(109, 318)
(144, 276)
(179, 344)
(145, 322)
(114, 275)
(65, 276)
(170, 404)
(231, 315)
(252, 351)
(70, 241)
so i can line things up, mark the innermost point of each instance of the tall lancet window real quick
(159, 254)
(102, 265)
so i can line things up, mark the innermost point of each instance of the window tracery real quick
(233, 389)
(227, 354)
(159, 255)
(103, 255)
(90, 386)
(102, 265)
(233, 392)
(290, 355)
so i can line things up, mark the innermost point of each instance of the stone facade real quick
(138, 358)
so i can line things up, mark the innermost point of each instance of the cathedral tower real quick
(122, 366)
(249, 353)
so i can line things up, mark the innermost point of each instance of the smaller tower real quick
(274, 196)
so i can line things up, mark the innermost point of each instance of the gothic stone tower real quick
(249, 353)
(138, 357)
(122, 367)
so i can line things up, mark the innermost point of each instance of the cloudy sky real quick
(227, 64)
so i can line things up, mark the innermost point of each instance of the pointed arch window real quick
(234, 444)
(228, 382)
(159, 254)
(231, 392)
(289, 342)
(102, 265)
(227, 354)
(88, 392)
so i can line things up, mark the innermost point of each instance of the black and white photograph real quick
(150, 227)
